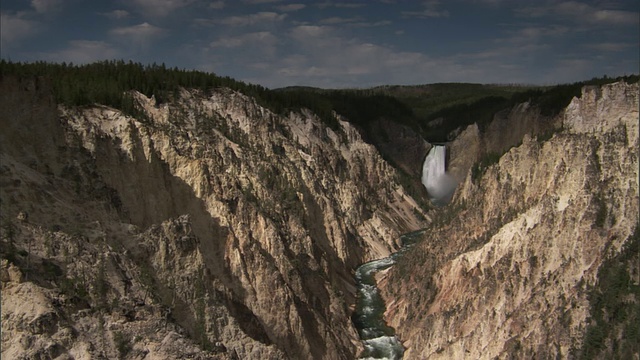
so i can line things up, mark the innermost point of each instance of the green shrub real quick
(123, 345)
(481, 166)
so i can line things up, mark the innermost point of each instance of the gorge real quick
(208, 223)
(511, 266)
(209, 227)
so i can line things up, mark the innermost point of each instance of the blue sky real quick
(335, 44)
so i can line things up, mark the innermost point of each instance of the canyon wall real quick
(206, 227)
(210, 227)
(505, 270)
(474, 144)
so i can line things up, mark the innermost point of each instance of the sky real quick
(337, 44)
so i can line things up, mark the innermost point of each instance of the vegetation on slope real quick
(457, 104)
(614, 330)
(425, 100)
(442, 108)
(108, 83)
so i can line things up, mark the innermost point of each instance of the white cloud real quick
(309, 32)
(344, 5)
(159, 8)
(15, 27)
(356, 21)
(142, 30)
(45, 6)
(203, 22)
(326, 58)
(582, 13)
(291, 7)
(217, 5)
(431, 10)
(252, 19)
(263, 39)
(531, 34)
(363, 24)
(490, 2)
(117, 14)
(321, 53)
(426, 13)
(340, 20)
(257, 45)
(83, 52)
(255, 2)
(138, 35)
(610, 46)
(588, 13)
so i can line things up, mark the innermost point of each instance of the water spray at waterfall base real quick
(435, 179)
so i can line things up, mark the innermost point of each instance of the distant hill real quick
(456, 105)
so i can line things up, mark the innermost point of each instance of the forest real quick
(457, 104)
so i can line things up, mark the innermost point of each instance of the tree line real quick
(110, 83)
(550, 100)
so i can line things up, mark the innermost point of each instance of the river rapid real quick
(380, 341)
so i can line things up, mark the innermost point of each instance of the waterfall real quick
(433, 167)
(438, 183)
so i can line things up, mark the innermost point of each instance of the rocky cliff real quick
(506, 269)
(205, 227)
(507, 129)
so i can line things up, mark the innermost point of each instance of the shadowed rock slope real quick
(206, 227)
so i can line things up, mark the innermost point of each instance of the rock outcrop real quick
(207, 227)
(506, 130)
(505, 269)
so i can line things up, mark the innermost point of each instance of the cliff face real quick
(506, 130)
(505, 269)
(206, 227)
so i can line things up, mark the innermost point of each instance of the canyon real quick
(506, 270)
(209, 226)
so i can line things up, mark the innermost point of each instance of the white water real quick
(435, 179)
(384, 347)
(378, 338)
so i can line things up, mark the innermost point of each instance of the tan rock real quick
(212, 228)
(506, 268)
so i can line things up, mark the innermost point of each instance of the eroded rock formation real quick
(210, 227)
(207, 227)
(505, 269)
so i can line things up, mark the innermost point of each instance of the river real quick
(380, 341)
